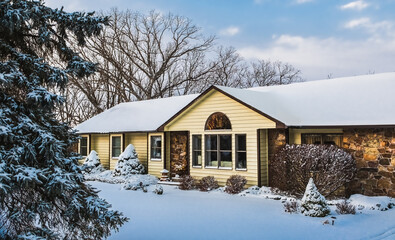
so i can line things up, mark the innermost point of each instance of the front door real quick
(179, 153)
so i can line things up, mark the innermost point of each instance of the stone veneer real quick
(373, 151)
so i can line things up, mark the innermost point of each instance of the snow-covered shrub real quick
(208, 183)
(344, 207)
(313, 203)
(291, 206)
(187, 182)
(235, 184)
(158, 190)
(92, 163)
(128, 163)
(132, 185)
(292, 166)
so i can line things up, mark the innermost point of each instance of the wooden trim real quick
(258, 134)
(148, 153)
(164, 150)
(342, 126)
(279, 124)
(90, 142)
(123, 142)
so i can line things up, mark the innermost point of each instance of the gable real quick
(241, 116)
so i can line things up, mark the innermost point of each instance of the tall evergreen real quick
(42, 193)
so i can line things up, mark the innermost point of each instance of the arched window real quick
(216, 121)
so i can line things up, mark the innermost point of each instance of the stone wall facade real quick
(374, 153)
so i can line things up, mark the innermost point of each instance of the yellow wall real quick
(243, 120)
(101, 144)
(156, 165)
(295, 135)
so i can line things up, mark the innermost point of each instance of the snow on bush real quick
(128, 163)
(291, 206)
(158, 190)
(208, 183)
(92, 163)
(313, 203)
(235, 184)
(187, 183)
(292, 166)
(381, 203)
(344, 207)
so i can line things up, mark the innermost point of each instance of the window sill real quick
(211, 167)
(196, 166)
(115, 158)
(241, 169)
(156, 159)
(225, 168)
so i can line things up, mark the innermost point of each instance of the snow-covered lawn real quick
(215, 215)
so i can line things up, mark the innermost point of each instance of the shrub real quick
(187, 183)
(208, 183)
(235, 184)
(92, 163)
(313, 203)
(345, 207)
(291, 207)
(158, 190)
(128, 163)
(292, 166)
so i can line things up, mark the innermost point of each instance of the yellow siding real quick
(155, 166)
(243, 120)
(101, 144)
(264, 157)
(295, 135)
(140, 142)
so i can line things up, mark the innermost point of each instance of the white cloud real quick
(318, 57)
(230, 31)
(303, 1)
(356, 5)
(383, 28)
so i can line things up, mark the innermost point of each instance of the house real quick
(225, 131)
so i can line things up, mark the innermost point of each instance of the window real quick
(322, 138)
(116, 146)
(219, 150)
(197, 150)
(84, 146)
(241, 151)
(156, 147)
(218, 121)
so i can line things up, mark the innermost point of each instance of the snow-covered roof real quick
(138, 116)
(349, 101)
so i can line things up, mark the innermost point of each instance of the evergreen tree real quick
(92, 163)
(128, 163)
(313, 203)
(42, 193)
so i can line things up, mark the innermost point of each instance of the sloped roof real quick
(351, 101)
(141, 116)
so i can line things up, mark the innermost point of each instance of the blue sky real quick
(321, 38)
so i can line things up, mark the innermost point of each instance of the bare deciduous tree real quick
(154, 56)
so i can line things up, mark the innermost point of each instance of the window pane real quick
(197, 158)
(241, 142)
(197, 142)
(226, 159)
(84, 146)
(311, 139)
(211, 159)
(156, 147)
(211, 142)
(116, 146)
(196, 148)
(333, 139)
(241, 160)
(226, 142)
